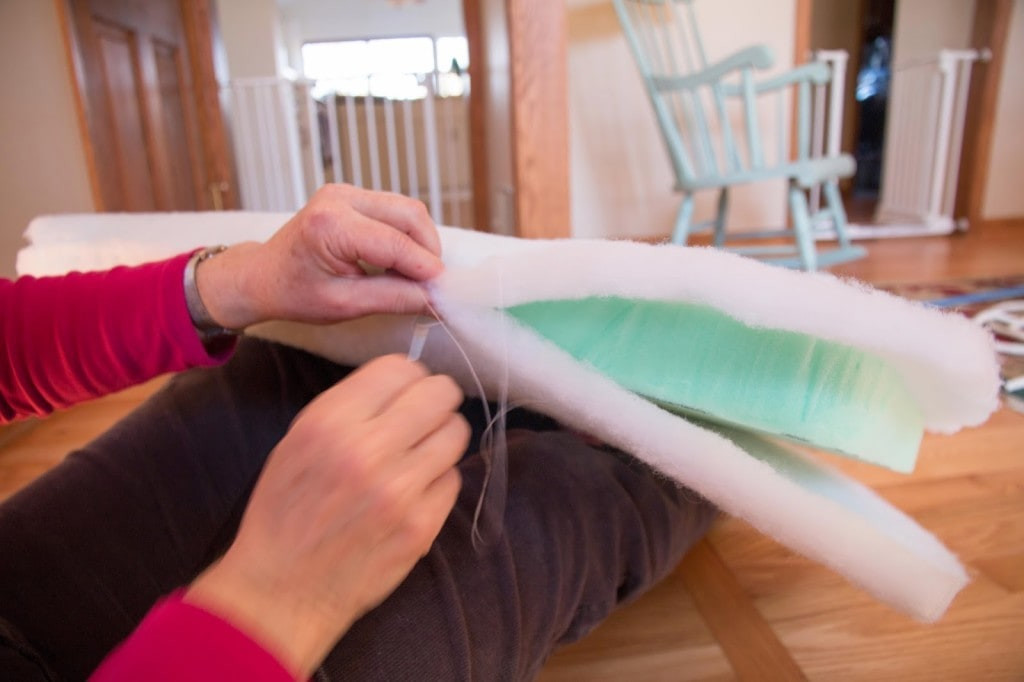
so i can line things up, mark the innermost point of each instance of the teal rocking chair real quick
(695, 104)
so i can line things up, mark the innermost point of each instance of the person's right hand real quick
(349, 500)
(311, 270)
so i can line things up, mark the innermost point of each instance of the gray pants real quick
(87, 549)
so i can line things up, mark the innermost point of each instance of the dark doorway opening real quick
(874, 75)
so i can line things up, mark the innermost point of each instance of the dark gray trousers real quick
(87, 549)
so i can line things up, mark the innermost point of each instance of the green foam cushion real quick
(695, 360)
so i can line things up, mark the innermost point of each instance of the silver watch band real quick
(201, 318)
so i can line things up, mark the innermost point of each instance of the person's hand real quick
(349, 500)
(311, 270)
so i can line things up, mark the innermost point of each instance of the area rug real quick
(969, 297)
(966, 296)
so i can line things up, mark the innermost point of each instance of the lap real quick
(585, 530)
(91, 545)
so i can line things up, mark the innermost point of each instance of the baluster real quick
(389, 134)
(411, 155)
(373, 144)
(333, 137)
(433, 173)
(354, 153)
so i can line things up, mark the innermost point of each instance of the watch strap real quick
(202, 320)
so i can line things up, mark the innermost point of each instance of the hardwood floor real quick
(743, 607)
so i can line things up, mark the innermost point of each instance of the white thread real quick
(495, 451)
(493, 447)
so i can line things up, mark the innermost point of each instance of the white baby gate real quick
(288, 143)
(923, 142)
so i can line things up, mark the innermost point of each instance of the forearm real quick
(299, 635)
(180, 641)
(68, 339)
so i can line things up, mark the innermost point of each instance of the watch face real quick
(211, 251)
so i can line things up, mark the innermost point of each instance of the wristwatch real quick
(201, 318)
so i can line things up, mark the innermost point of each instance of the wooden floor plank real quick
(15, 430)
(51, 439)
(747, 640)
(1007, 571)
(992, 251)
(918, 494)
(659, 638)
(979, 639)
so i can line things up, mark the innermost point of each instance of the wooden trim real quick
(802, 35)
(746, 639)
(76, 79)
(197, 158)
(202, 35)
(538, 45)
(852, 112)
(144, 70)
(801, 46)
(990, 224)
(478, 114)
(990, 30)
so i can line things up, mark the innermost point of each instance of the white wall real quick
(923, 27)
(42, 163)
(1004, 197)
(253, 38)
(621, 179)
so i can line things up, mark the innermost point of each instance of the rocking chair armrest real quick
(756, 57)
(816, 73)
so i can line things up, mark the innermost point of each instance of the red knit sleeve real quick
(83, 335)
(180, 641)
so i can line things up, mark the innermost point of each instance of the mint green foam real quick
(695, 360)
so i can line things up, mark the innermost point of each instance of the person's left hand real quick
(348, 502)
(312, 269)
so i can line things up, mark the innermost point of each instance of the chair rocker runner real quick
(692, 102)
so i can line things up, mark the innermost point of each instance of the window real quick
(396, 68)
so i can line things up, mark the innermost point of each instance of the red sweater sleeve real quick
(83, 335)
(179, 641)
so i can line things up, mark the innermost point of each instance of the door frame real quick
(538, 111)
(990, 31)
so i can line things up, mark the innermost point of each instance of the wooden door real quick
(147, 87)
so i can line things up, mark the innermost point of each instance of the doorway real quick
(864, 30)
(873, 77)
(905, 107)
